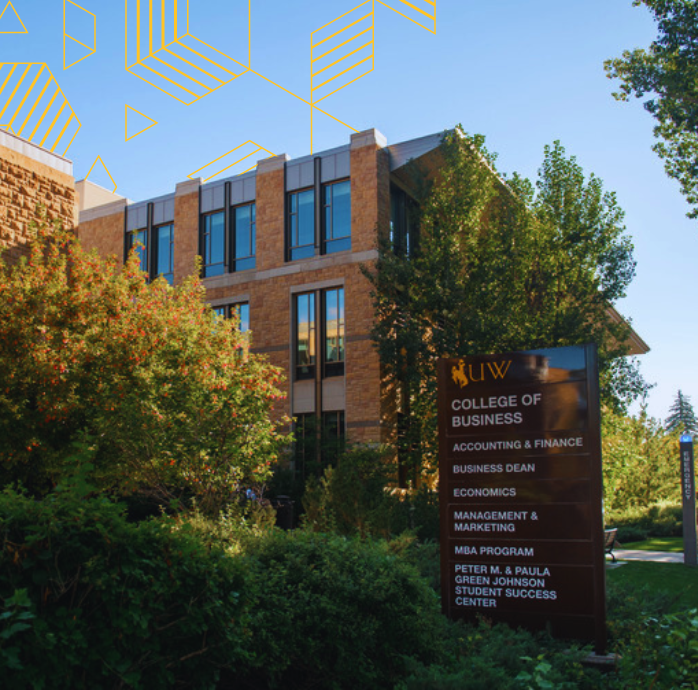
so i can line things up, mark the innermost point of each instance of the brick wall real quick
(186, 229)
(270, 287)
(105, 233)
(31, 177)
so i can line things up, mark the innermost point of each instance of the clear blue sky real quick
(522, 72)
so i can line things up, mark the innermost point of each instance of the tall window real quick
(333, 332)
(139, 239)
(301, 224)
(242, 311)
(244, 231)
(163, 247)
(332, 435)
(305, 336)
(336, 203)
(403, 225)
(213, 241)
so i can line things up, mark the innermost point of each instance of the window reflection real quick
(139, 240)
(337, 216)
(301, 217)
(214, 244)
(244, 218)
(164, 252)
(305, 336)
(334, 332)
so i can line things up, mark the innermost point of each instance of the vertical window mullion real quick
(228, 231)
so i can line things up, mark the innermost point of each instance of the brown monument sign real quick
(520, 491)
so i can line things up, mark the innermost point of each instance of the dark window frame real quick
(226, 311)
(333, 367)
(318, 336)
(156, 252)
(404, 228)
(204, 235)
(308, 250)
(304, 372)
(250, 259)
(131, 242)
(325, 242)
(321, 244)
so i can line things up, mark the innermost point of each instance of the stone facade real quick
(34, 184)
(270, 287)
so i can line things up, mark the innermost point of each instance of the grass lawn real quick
(674, 578)
(657, 544)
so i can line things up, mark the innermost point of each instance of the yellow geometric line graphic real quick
(340, 53)
(30, 97)
(160, 50)
(127, 137)
(240, 158)
(99, 158)
(423, 12)
(91, 49)
(9, 4)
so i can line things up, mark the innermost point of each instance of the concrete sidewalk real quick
(653, 556)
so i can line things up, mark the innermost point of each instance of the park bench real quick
(610, 542)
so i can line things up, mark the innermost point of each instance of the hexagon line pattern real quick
(336, 50)
(91, 49)
(9, 4)
(185, 68)
(426, 13)
(32, 100)
(239, 160)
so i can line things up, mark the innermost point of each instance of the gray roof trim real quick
(405, 151)
(243, 176)
(320, 154)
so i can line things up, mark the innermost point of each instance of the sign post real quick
(521, 491)
(688, 493)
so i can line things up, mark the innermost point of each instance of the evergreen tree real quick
(681, 415)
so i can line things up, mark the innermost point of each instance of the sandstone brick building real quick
(282, 245)
(31, 178)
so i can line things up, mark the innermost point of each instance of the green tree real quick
(500, 266)
(165, 391)
(639, 467)
(666, 76)
(681, 415)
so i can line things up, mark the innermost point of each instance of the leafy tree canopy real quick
(501, 266)
(666, 76)
(681, 415)
(162, 389)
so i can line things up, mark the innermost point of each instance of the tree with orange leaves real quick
(163, 390)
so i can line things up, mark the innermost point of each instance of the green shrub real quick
(93, 601)
(638, 523)
(332, 612)
(662, 653)
(497, 657)
(354, 497)
(351, 498)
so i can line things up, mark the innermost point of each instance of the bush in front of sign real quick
(352, 498)
(332, 612)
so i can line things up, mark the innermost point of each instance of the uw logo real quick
(497, 370)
